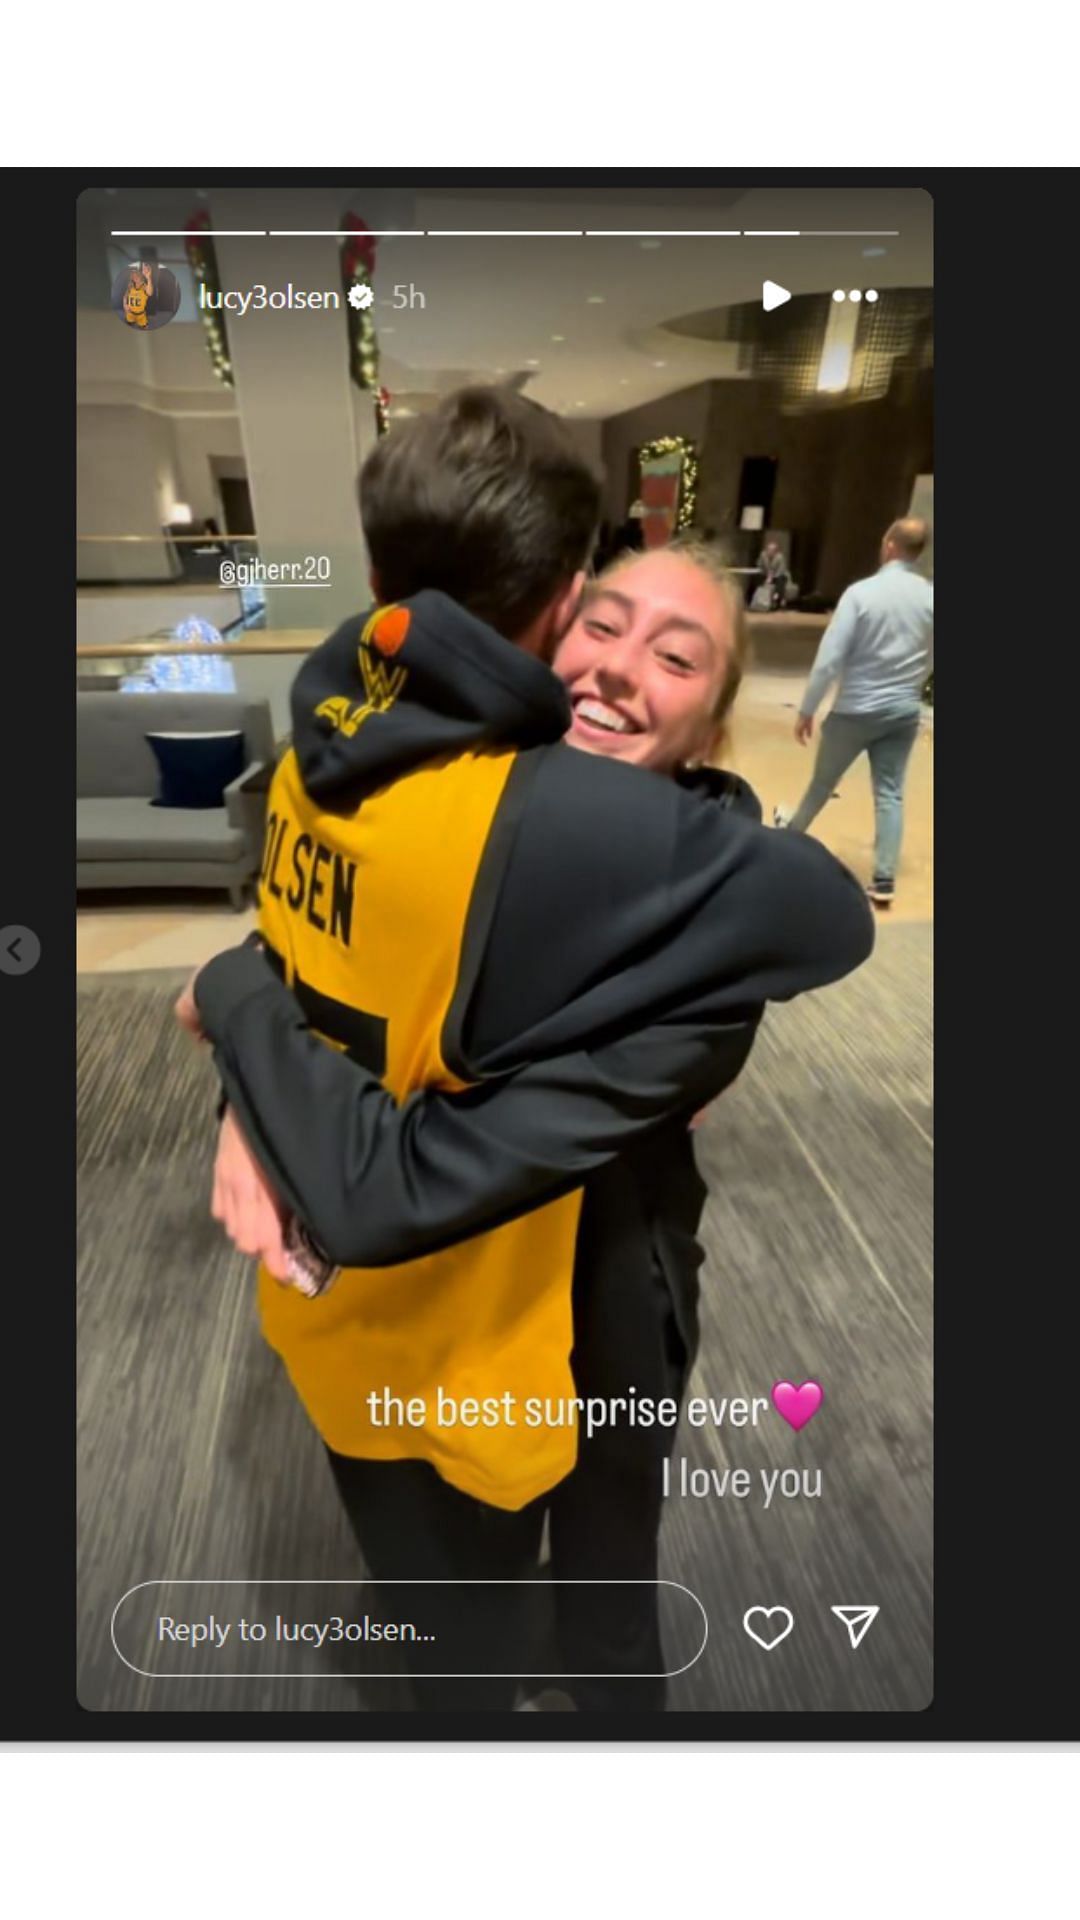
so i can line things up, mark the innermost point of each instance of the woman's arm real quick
(376, 1183)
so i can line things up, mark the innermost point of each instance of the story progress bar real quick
(509, 233)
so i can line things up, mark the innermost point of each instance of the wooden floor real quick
(196, 1463)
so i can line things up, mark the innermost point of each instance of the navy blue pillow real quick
(196, 768)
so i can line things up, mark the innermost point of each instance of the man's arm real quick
(376, 1183)
(836, 643)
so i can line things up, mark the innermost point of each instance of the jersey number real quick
(362, 1036)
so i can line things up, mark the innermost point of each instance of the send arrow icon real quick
(857, 1620)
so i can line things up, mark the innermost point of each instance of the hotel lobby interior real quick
(222, 449)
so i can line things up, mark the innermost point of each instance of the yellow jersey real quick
(366, 911)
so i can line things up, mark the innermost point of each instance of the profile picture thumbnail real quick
(145, 295)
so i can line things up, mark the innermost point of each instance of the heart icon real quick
(797, 1405)
(772, 1636)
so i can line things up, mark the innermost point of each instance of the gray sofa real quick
(124, 841)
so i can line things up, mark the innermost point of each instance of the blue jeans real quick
(888, 740)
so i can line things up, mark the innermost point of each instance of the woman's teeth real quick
(600, 715)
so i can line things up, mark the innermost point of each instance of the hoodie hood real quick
(722, 788)
(404, 684)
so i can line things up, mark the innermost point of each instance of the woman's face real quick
(645, 663)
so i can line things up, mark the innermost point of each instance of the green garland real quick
(199, 247)
(357, 270)
(674, 443)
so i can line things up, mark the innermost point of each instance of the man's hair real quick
(486, 498)
(908, 537)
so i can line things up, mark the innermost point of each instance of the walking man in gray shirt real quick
(879, 646)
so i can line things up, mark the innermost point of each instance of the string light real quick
(688, 477)
(357, 270)
(199, 247)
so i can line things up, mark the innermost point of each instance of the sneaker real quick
(882, 892)
(781, 816)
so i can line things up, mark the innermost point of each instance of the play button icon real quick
(20, 950)
(772, 295)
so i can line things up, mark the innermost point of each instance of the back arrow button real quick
(20, 950)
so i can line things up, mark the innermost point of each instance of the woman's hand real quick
(187, 1012)
(245, 1203)
(186, 1009)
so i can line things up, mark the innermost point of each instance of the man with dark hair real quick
(487, 500)
(879, 647)
(525, 959)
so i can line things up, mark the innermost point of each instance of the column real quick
(305, 429)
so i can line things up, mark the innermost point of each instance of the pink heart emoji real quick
(797, 1405)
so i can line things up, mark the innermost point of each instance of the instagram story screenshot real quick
(504, 744)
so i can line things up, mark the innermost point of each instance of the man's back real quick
(885, 626)
(366, 913)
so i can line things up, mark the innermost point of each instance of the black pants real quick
(634, 1324)
(412, 1525)
(605, 1527)
(605, 1523)
(635, 1291)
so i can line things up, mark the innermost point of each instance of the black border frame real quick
(1007, 1660)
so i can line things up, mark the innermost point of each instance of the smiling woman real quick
(655, 657)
